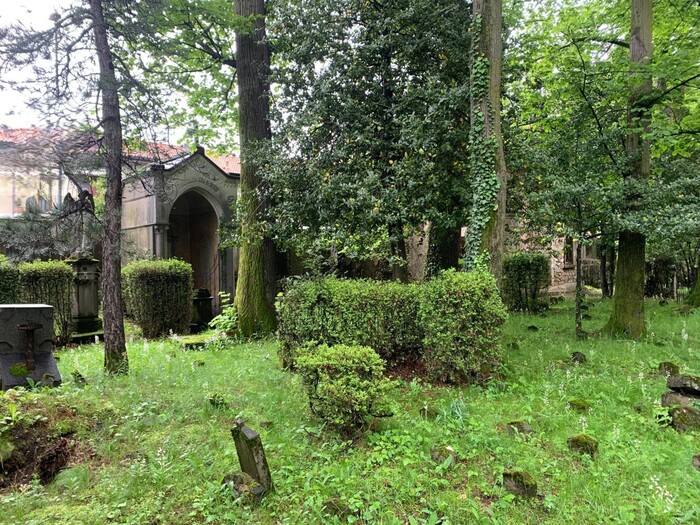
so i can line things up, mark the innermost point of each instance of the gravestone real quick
(26, 345)
(251, 455)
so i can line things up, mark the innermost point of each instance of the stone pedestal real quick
(26, 347)
(86, 304)
(201, 310)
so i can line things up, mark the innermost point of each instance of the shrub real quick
(9, 282)
(158, 295)
(345, 385)
(381, 315)
(525, 279)
(50, 282)
(461, 315)
(227, 321)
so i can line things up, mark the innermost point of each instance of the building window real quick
(568, 253)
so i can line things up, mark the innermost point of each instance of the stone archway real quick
(193, 237)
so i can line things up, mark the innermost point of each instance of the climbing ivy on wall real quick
(482, 161)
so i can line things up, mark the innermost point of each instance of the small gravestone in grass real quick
(444, 455)
(579, 357)
(696, 461)
(520, 483)
(583, 444)
(255, 480)
(519, 427)
(666, 368)
(579, 405)
(684, 399)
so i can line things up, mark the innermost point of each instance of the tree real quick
(116, 360)
(371, 128)
(65, 81)
(255, 313)
(486, 229)
(583, 62)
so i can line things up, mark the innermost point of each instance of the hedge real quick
(334, 311)
(9, 282)
(526, 276)
(50, 282)
(461, 315)
(453, 322)
(345, 385)
(158, 295)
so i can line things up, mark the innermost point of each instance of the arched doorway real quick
(193, 237)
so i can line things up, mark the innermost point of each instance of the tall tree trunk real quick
(115, 359)
(487, 226)
(255, 313)
(627, 318)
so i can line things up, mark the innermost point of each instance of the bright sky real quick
(13, 110)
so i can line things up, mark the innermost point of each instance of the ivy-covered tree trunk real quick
(627, 318)
(486, 228)
(255, 313)
(115, 357)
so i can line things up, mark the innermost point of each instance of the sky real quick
(13, 110)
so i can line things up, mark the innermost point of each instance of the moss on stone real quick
(580, 405)
(520, 483)
(583, 444)
(685, 419)
(19, 370)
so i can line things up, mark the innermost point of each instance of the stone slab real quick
(44, 363)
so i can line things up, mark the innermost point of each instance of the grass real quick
(156, 448)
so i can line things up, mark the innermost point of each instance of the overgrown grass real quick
(162, 447)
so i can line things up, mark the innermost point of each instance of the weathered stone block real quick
(251, 454)
(670, 399)
(519, 426)
(685, 419)
(579, 357)
(583, 444)
(667, 368)
(520, 483)
(685, 384)
(26, 345)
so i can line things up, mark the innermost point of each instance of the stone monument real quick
(86, 304)
(26, 346)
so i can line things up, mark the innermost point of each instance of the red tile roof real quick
(227, 163)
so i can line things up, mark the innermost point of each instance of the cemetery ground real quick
(153, 447)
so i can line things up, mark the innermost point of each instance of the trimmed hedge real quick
(345, 384)
(461, 315)
(158, 295)
(526, 277)
(9, 282)
(452, 322)
(335, 311)
(50, 282)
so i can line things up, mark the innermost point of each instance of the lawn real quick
(153, 447)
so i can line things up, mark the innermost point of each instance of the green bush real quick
(461, 315)
(526, 277)
(158, 295)
(331, 311)
(9, 282)
(345, 385)
(50, 282)
(227, 321)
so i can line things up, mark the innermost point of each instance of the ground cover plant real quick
(152, 447)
